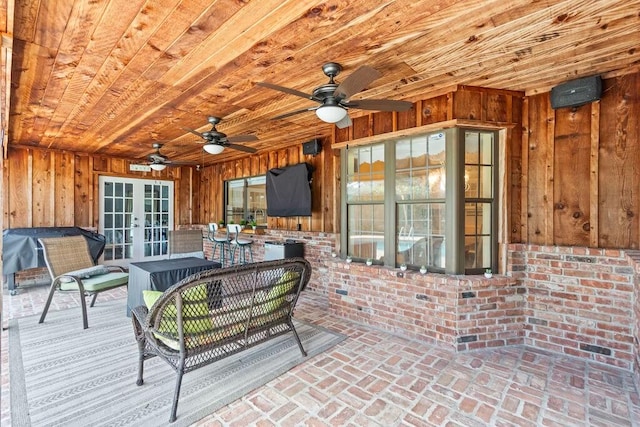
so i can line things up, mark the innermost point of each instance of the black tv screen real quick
(289, 190)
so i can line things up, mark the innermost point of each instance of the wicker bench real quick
(216, 313)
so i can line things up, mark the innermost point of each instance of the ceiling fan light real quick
(213, 148)
(331, 113)
(157, 166)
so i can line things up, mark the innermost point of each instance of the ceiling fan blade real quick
(241, 148)
(293, 113)
(379, 104)
(356, 82)
(285, 90)
(195, 132)
(242, 138)
(344, 123)
(178, 163)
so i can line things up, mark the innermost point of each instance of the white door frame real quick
(135, 216)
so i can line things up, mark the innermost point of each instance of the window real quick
(478, 193)
(431, 205)
(245, 200)
(365, 198)
(420, 181)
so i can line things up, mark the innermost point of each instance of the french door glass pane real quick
(156, 207)
(117, 217)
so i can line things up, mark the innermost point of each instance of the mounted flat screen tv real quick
(289, 190)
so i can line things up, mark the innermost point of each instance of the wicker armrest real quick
(140, 314)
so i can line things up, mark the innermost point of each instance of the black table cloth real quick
(161, 275)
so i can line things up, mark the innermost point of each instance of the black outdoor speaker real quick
(312, 147)
(576, 92)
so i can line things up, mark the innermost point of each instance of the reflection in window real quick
(117, 214)
(432, 184)
(366, 231)
(478, 215)
(420, 204)
(365, 196)
(246, 200)
(156, 219)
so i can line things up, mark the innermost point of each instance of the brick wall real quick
(463, 312)
(580, 301)
(33, 276)
(317, 250)
(634, 257)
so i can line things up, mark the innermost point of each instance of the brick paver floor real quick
(377, 379)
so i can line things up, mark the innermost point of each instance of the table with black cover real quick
(22, 251)
(161, 275)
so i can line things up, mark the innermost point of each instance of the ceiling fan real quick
(334, 97)
(159, 162)
(216, 141)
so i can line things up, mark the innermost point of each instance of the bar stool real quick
(222, 242)
(243, 245)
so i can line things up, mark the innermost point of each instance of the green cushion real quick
(276, 296)
(150, 297)
(196, 317)
(99, 283)
(85, 273)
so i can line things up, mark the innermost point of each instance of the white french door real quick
(135, 215)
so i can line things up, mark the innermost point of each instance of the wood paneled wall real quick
(325, 186)
(59, 189)
(581, 170)
(573, 174)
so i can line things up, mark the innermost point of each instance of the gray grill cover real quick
(21, 250)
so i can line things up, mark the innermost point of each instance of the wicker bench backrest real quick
(218, 312)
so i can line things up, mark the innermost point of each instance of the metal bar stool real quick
(220, 241)
(243, 245)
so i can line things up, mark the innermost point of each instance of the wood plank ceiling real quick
(111, 77)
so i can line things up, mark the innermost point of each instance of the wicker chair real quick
(185, 243)
(216, 313)
(71, 268)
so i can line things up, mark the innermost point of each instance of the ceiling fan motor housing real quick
(324, 92)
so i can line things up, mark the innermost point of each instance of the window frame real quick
(454, 200)
(245, 199)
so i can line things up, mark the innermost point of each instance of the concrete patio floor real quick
(377, 379)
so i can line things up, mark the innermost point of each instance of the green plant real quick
(253, 223)
(221, 222)
(243, 222)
